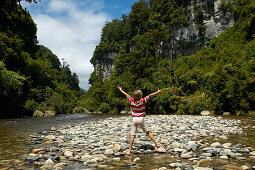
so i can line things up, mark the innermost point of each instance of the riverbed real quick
(14, 133)
(16, 143)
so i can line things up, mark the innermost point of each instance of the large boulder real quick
(226, 113)
(47, 113)
(80, 110)
(206, 113)
(38, 113)
(125, 112)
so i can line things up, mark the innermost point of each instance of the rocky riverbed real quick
(189, 142)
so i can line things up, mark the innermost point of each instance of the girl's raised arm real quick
(155, 93)
(120, 89)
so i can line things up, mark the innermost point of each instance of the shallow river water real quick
(15, 143)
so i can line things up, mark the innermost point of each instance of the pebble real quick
(105, 140)
(68, 153)
(252, 153)
(161, 150)
(136, 159)
(108, 152)
(116, 159)
(245, 167)
(49, 162)
(37, 150)
(223, 157)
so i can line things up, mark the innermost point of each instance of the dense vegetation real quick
(219, 78)
(31, 76)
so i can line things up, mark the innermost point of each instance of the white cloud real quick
(72, 31)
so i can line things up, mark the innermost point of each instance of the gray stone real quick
(31, 159)
(132, 164)
(212, 152)
(191, 146)
(238, 145)
(175, 165)
(108, 152)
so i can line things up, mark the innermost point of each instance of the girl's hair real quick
(137, 95)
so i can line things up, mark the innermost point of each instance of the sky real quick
(71, 29)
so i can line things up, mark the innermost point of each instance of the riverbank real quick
(189, 142)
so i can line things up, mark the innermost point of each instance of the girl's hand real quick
(160, 91)
(119, 88)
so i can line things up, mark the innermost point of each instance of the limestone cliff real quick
(206, 20)
(189, 39)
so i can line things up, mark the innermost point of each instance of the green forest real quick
(219, 78)
(31, 76)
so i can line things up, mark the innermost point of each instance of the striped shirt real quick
(138, 108)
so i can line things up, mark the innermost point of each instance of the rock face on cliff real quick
(187, 40)
(206, 20)
(106, 64)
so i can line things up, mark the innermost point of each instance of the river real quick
(14, 141)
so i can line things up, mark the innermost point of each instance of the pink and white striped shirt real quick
(138, 108)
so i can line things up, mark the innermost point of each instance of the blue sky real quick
(71, 29)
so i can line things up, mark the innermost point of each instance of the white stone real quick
(108, 152)
(216, 144)
(48, 162)
(205, 113)
(85, 158)
(103, 166)
(223, 157)
(136, 159)
(176, 145)
(252, 153)
(116, 159)
(161, 150)
(68, 153)
(116, 147)
(226, 145)
(245, 167)
(186, 156)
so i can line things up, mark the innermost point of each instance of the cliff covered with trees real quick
(202, 53)
(31, 76)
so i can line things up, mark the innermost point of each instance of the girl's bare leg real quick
(152, 138)
(131, 143)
